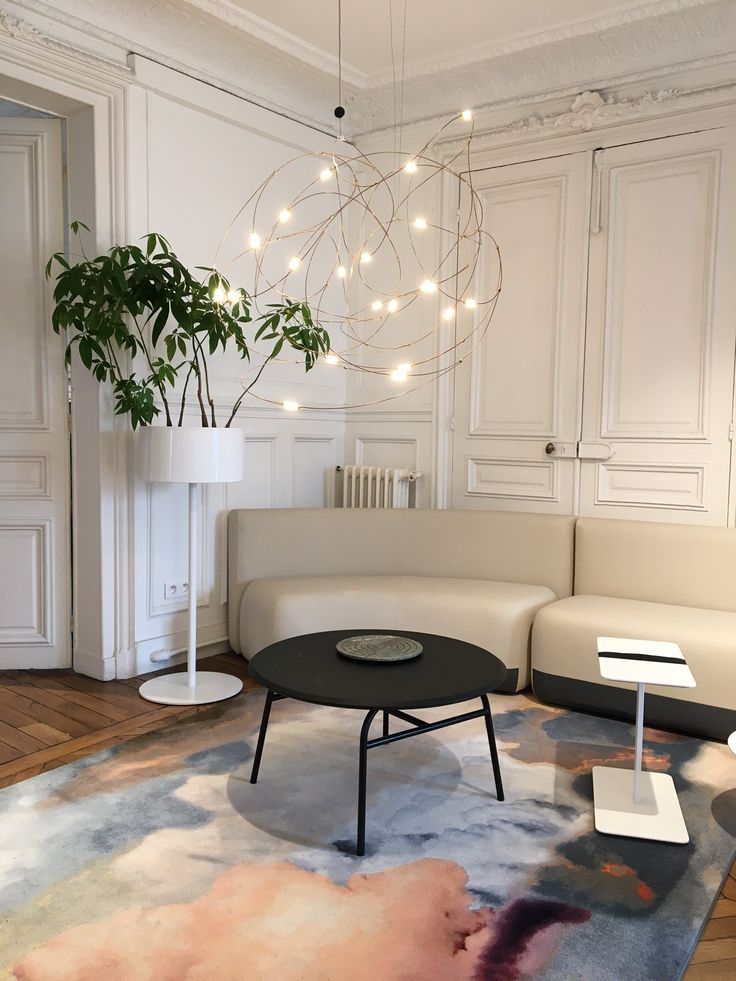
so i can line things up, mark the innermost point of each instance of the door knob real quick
(549, 448)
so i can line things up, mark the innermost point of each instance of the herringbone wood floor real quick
(49, 718)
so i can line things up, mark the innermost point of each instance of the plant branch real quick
(157, 383)
(245, 392)
(210, 400)
(199, 391)
(184, 393)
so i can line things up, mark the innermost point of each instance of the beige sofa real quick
(658, 582)
(480, 576)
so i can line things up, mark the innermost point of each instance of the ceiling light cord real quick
(403, 77)
(339, 108)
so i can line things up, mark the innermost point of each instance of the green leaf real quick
(277, 348)
(160, 323)
(85, 352)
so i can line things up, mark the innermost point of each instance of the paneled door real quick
(34, 446)
(517, 397)
(661, 331)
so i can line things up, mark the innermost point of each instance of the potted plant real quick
(142, 307)
(141, 321)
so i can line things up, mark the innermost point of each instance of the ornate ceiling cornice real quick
(22, 30)
(281, 40)
(215, 41)
(527, 42)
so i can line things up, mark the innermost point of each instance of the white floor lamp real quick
(191, 456)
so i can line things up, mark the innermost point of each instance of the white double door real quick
(604, 385)
(35, 568)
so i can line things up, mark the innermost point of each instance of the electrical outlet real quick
(175, 589)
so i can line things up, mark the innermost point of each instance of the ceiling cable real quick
(339, 108)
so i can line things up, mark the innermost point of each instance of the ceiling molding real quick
(21, 30)
(286, 42)
(216, 42)
(695, 38)
(590, 111)
(525, 42)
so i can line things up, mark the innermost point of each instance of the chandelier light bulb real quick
(420, 223)
(326, 174)
(294, 263)
(255, 240)
(428, 286)
(331, 359)
(219, 295)
(284, 215)
(234, 296)
(401, 373)
(411, 167)
(393, 306)
(290, 406)
(467, 115)
(470, 303)
(448, 313)
(377, 305)
(341, 272)
(365, 257)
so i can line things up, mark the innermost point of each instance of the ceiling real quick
(436, 30)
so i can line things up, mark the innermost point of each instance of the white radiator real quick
(375, 487)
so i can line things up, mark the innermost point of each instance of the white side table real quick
(636, 803)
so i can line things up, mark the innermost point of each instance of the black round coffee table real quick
(310, 669)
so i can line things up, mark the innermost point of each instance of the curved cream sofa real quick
(479, 576)
(655, 581)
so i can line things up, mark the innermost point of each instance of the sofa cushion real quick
(684, 565)
(564, 643)
(494, 615)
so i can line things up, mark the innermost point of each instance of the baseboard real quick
(94, 666)
(661, 712)
(140, 662)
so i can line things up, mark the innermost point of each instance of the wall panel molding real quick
(629, 185)
(518, 480)
(650, 485)
(26, 551)
(23, 476)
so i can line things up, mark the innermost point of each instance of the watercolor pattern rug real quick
(159, 861)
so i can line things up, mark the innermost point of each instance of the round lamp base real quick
(172, 689)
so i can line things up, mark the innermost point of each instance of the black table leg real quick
(261, 736)
(492, 746)
(362, 777)
(385, 724)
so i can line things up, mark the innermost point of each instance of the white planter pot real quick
(191, 454)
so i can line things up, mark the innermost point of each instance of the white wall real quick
(199, 153)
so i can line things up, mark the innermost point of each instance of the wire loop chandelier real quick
(354, 244)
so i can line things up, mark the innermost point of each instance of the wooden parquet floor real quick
(49, 718)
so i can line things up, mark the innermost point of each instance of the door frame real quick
(93, 95)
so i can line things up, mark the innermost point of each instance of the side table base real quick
(657, 816)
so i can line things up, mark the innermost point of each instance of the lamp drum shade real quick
(191, 455)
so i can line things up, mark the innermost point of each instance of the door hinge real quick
(730, 433)
(71, 624)
(452, 424)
